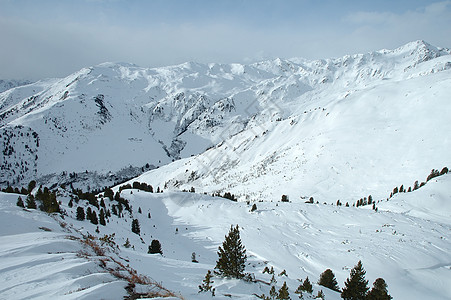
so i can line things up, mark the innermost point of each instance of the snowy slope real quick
(399, 243)
(40, 259)
(345, 146)
(112, 116)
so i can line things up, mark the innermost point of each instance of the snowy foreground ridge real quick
(406, 242)
(334, 131)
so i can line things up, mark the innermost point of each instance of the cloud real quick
(58, 42)
(389, 29)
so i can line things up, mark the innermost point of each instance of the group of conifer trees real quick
(231, 264)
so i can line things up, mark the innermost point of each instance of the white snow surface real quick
(406, 242)
(333, 129)
(325, 119)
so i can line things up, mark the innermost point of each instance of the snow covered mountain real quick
(9, 84)
(335, 130)
(116, 117)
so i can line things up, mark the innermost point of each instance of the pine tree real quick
(88, 213)
(135, 227)
(307, 286)
(102, 217)
(93, 218)
(206, 285)
(320, 295)
(299, 293)
(379, 291)
(273, 293)
(356, 286)
(30, 202)
(283, 293)
(31, 186)
(155, 247)
(232, 256)
(416, 186)
(80, 213)
(20, 202)
(193, 258)
(327, 279)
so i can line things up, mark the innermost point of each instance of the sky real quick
(54, 38)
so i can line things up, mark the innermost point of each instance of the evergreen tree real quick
(88, 213)
(327, 279)
(109, 193)
(20, 202)
(155, 247)
(30, 202)
(232, 255)
(206, 285)
(80, 213)
(127, 244)
(283, 293)
(320, 295)
(31, 186)
(102, 217)
(307, 286)
(356, 287)
(254, 207)
(193, 257)
(135, 227)
(379, 291)
(273, 293)
(93, 218)
(299, 293)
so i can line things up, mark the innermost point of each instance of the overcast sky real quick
(53, 38)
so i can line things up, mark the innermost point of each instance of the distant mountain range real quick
(280, 126)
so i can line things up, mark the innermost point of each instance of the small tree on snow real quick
(327, 279)
(305, 286)
(30, 202)
(155, 247)
(193, 257)
(356, 287)
(206, 285)
(135, 227)
(379, 291)
(232, 256)
(272, 293)
(20, 202)
(283, 293)
(80, 213)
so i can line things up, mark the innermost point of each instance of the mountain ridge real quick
(164, 114)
